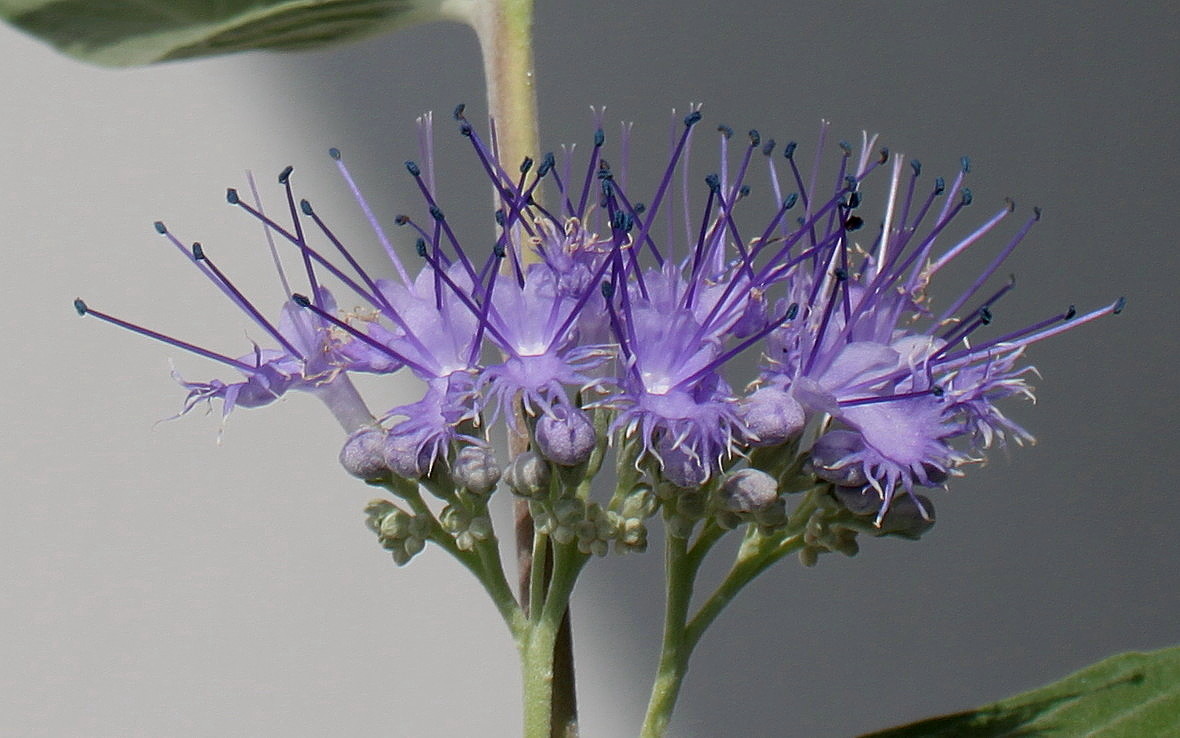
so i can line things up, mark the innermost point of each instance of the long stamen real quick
(373, 223)
(242, 302)
(84, 309)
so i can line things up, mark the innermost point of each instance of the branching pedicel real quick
(619, 341)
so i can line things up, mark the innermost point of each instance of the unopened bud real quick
(363, 454)
(773, 416)
(679, 466)
(406, 456)
(528, 474)
(858, 500)
(908, 516)
(566, 438)
(475, 468)
(748, 490)
(829, 458)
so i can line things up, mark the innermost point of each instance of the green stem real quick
(681, 633)
(537, 647)
(749, 564)
(680, 570)
(483, 562)
(505, 31)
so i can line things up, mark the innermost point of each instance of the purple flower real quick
(590, 298)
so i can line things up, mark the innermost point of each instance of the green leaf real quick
(1126, 696)
(132, 32)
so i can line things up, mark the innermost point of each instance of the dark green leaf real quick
(1126, 696)
(131, 32)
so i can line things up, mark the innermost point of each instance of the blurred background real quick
(156, 582)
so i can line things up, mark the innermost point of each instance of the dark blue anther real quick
(937, 391)
(939, 185)
(466, 130)
(458, 112)
(790, 201)
(599, 138)
(420, 247)
(401, 220)
(884, 155)
(334, 153)
(608, 290)
(789, 149)
(500, 217)
(604, 171)
(801, 220)
(413, 169)
(498, 251)
(1071, 312)
(967, 196)
(714, 182)
(526, 165)
(300, 300)
(160, 227)
(768, 148)
(853, 223)
(436, 213)
(305, 206)
(1036, 213)
(850, 182)
(692, 119)
(985, 315)
(792, 311)
(725, 130)
(853, 200)
(1119, 304)
(755, 137)
(285, 175)
(744, 191)
(1011, 204)
(916, 166)
(841, 274)
(846, 148)
(80, 306)
(966, 163)
(640, 208)
(231, 196)
(198, 252)
(547, 163)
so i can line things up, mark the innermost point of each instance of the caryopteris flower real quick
(588, 322)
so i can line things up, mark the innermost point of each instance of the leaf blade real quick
(1125, 696)
(136, 32)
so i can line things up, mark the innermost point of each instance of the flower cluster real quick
(749, 361)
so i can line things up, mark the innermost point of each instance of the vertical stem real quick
(680, 572)
(505, 32)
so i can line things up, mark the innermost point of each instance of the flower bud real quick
(679, 466)
(475, 468)
(406, 456)
(363, 456)
(908, 516)
(566, 438)
(858, 500)
(828, 458)
(748, 490)
(528, 475)
(773, 416)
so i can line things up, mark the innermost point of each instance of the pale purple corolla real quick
(806, 328)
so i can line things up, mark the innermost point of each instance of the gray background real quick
(156, 583)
